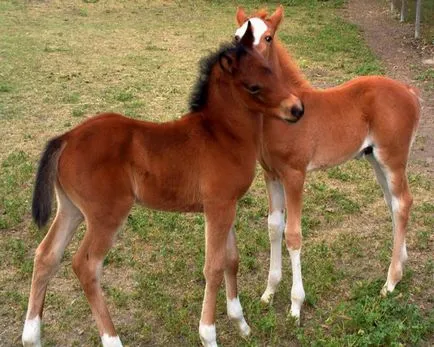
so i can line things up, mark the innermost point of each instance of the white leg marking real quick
(390, 285)
(235, 313)
(111, 341)
(32, 332)
(297, 291)
(259, 28)
(208, 335)
(276, 225)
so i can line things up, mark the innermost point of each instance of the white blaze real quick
(259, 28)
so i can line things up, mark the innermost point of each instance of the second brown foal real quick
(371, 116)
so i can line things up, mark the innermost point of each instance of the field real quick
(62, 62)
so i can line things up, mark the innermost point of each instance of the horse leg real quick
(219, 220)
(401, 201)
(87, 264)
(293, 183)
(276, 224)
(382, 181)
(235, 311)
(46, 263)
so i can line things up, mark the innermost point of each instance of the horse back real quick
(171, 166)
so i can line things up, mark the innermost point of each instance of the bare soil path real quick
(403, 58)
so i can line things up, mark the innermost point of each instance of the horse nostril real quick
(297, 111)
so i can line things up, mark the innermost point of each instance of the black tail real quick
(44, 185)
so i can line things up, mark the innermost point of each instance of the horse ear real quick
(276, 17)
(248, 38)
(226, 63)
(241, 15)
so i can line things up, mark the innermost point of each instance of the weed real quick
(79, 111)
(124, 96)
(82, 12)
(72, 98)
(5, 88)
(427, 75)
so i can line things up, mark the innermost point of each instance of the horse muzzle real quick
(291, 109)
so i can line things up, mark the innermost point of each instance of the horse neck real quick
(232, 115)
(288, 67)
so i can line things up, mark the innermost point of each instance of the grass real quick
(427, 78)
(62, 63)
(365, 319)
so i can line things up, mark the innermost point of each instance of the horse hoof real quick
(245, 329)
(267, 297)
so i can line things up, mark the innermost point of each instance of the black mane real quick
(199, 95)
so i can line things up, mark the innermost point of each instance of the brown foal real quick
(374, 116)
(203, 162)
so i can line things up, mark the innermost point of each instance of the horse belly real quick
(337, 151)
(168, 193)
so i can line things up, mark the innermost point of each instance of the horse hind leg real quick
(399, 198)
(46, 263)
(382, 180)
(234, 309)
(87, 264)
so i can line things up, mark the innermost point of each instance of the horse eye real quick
(253, 89)
(268, 38)
(237, 38)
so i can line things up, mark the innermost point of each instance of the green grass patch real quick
(368, 319)
(335, 43)
(324, 205)
(15, 184)
(427, 77)
(5, 88)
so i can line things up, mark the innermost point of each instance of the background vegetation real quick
(62, 62)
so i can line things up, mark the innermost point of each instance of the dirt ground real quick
(403, 58)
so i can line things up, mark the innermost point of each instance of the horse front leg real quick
(276, 224)
(219, 218)
(293, 183)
